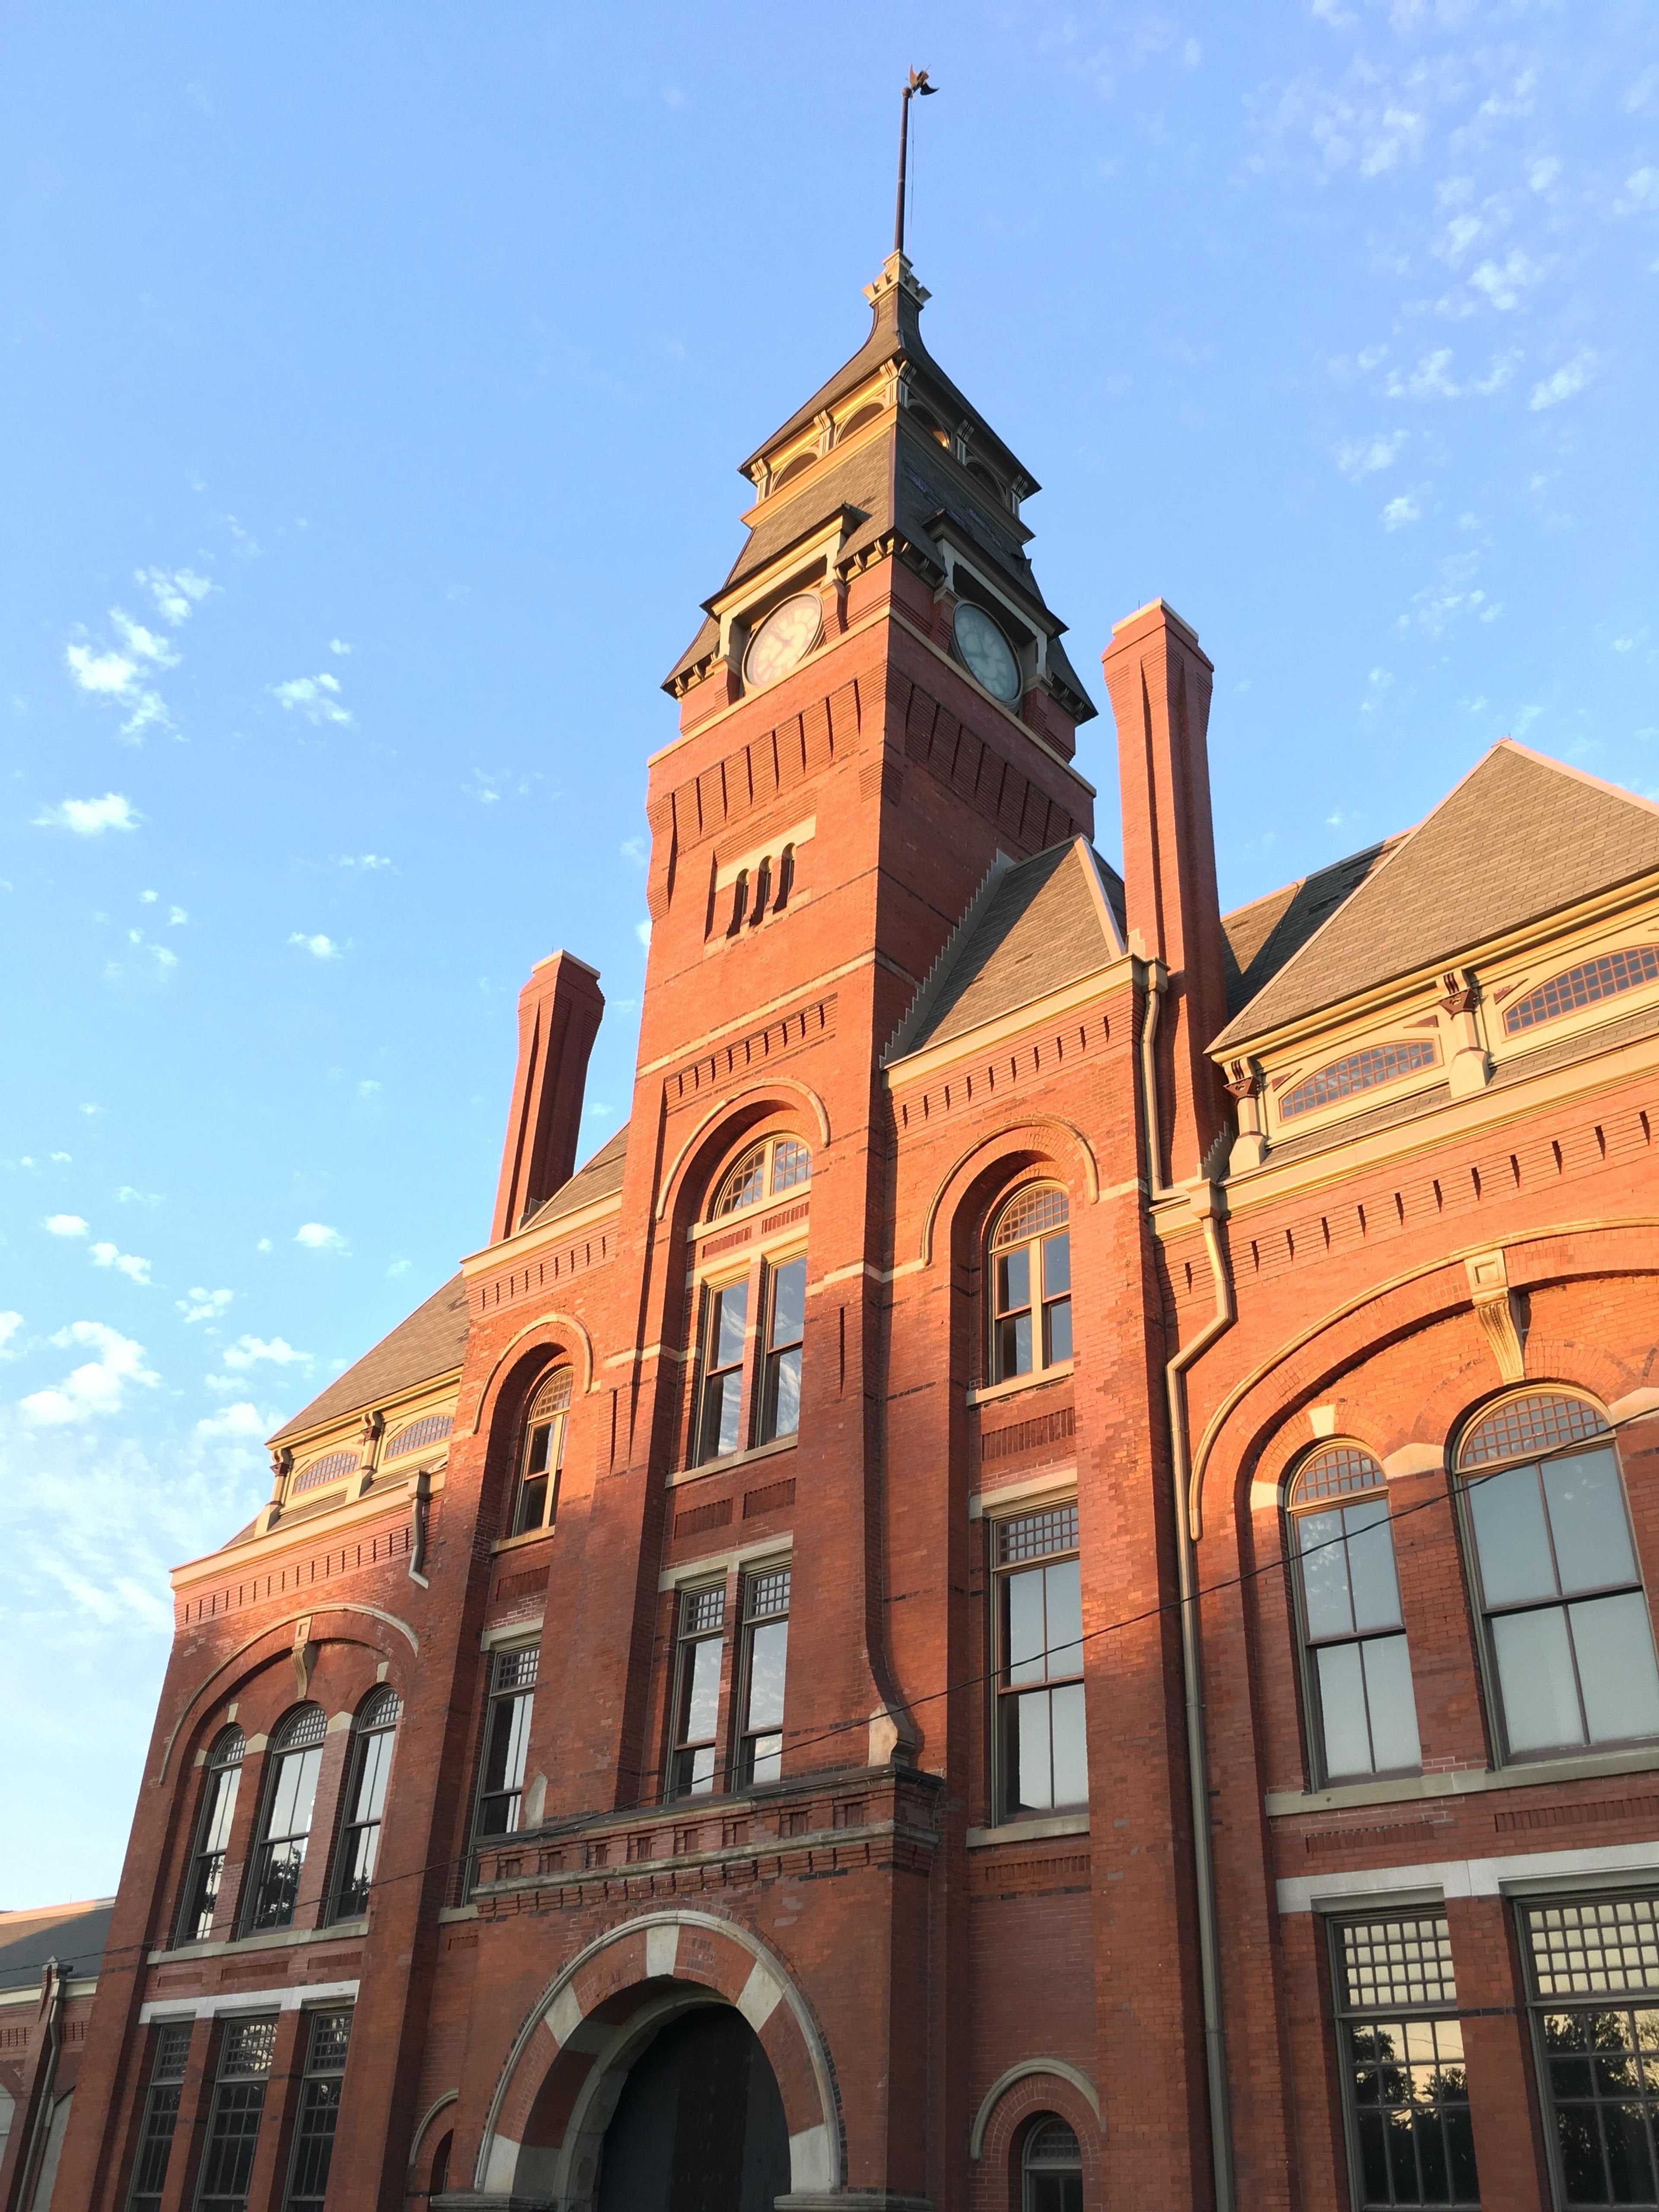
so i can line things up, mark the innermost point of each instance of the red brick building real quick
(1031, 1589)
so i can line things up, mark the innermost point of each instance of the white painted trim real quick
(1465, 1877)
(291, 1998)
(705, 1569)
(1062, 1479)
(511, 1632)
(1029, 1831)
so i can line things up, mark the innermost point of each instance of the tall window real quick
(506, 1740)
(728, 1415)
(786, 1327)
(372, 1737)
(1030, 1270)
(207, 1862)
(767, 1169)
(319, 2111)
(155, 2133)
(1359, 1673)
(1051, 2167)
(766, 1649)
(696, 1752)
(536, 1502)
(1400, 2052)
(1042, 1752)
(1593, 1980)
(295, 1761)
(725, 1336)
(1569, 1637)
(246, 2051)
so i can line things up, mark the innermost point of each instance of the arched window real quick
(1363, 1714)
(1605, 977)
(207, 1860)
(295, 1759)
(765, 1170)
(542, 1456)
(1569, 1637)
(1051, 2167)
(372, 1737)
(1030, 1270)
(740, 902)
(859, 419)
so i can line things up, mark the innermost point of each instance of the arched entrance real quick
(699, 2124)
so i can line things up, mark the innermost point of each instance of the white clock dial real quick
(787, 634)
(987, 652)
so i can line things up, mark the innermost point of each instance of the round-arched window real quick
(218, 1809)
(1051, 2167)
(1031, 1272)
(764, 1170)
(536, 1503)
(373, 1732)
(292, 1768)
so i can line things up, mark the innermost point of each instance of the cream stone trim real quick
(505, 1632)
(1606, 934)
(412, 1398)
(724, 1562)
(523, 1242)
(1513, 1873)
(1060, 2067)
(1499, 1312)
(258, 1551)
(1090, 1167)
(1119, 970)
(990, 1393)
(1458, 1782)
(286, 1998)
(727, 1106)
(773, 1448)
(550, 1319)
(1029, 1831)
(989, 1499)
(279, 1939)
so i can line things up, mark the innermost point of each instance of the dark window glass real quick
(542, 1456)
(1401, 2051)
(1051, 2168)
(155, 2131)
(1593, 1981)
(694, 1760)
(373, 1736)
(239, 2103)
(207, 1863)
(295, 1761)
(785, 1325)
(724, 1328)
(506, 1740)
(1043, 1758)
(1359, 1673)
(1031, 1267)
(319, 2112)
(766, 1650)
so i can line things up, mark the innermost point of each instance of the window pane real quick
(1014, 1280)
(1064, 1593)
(766, 1758)
(731, 1319)
(1393, 1708)
(702, 1690)
(1342, 1710)
(224, 1809)
(1509, 1534)
(1374, 1588)
(1071, 1747)
(1056, 1265)
(789, 1303)
(533, 1506)
(768, 1646)
(535, 1460)
(783, 1414)
(1057, 1319)
(722, 1408)
(1586, 1519)
(1024, 1642)
(1325, 1587)
(509, 1740)
(296, 1789)
(1534, 1679)
(371, 1781)
(1014, 1346)
(1031, 1771)
(1612, 1638)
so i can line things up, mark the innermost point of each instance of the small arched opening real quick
(699, 2123)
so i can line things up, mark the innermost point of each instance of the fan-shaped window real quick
(861, 421)
(371, 1737)
(1569, 1637)
(333, 1467)
(295, 1761)
(1584, 986)
(765, 1170)
(1030, 1274)
(1363, 1712)
(537, 1503)
(1360, 1071)
(1051, 2167)
(416, 1436)
(213, 1822)
(796, 465)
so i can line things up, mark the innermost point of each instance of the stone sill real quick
(707, 1467)
(1461, 1782)
(1029, 1831)
(988, 1394)
(274, 1938)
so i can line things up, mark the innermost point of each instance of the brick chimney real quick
(1159, 681)
(559, 1011)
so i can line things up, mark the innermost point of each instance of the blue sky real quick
(373, 381)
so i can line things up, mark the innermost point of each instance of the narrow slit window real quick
(160, 2119)
(694, 1760)
(766, 1650)
(373, 1733)
(213, 1826)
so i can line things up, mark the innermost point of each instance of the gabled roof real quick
(1032, 929)
(430, 1342)
(74, 1934)
(1521, 836)
(601, 1176)
(1259, 939)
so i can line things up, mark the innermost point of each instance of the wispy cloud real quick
(316, 697)
(125, 1263)
(10, 1325)
(368, 861)
(1358, 457)
(338, 645)
(177, 592)
(204, 1305)
(318, 1237)
(1400, 512)
(255, 1350)
(90, 817)
(1571, 377)
(238, 1421)
(64, 1224)
(319, 947)
(100, 1385)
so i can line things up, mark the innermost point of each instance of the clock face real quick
(787, 636)
(987, 652)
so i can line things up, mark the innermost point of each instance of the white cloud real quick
(1503, 283)
(1399, 512)
(241, 1420)
(90, 817)
(128, 1196)
(338, 645)
(162, 956)
(125, 1263)
(368, 1086)
(143, 643)
(249, 1350)
(1428, 381)
(124, 676)
(1571, 377)
(642, 930)
(1641, 193)
(177, 917)
(318, 1237)
(148, 898)
(98, 1385)
(64, 1224)
(176, 592)
(319, 947)
(10, 1325)
(366, 860)
(1363, 456)
(633, 848)
(316, 697)
(263, 1244)
(204, 1305)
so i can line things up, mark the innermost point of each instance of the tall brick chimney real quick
(1159, 681)
(559, 1011)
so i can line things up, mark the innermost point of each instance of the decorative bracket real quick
(303, 1654)
(1501, 1312)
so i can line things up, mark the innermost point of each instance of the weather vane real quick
(916, 81)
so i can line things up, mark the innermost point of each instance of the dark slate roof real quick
(1035, 928)
(1259, 939)
(1520, 837)
(430, 1342)
(601, 1177)
(74, 1934)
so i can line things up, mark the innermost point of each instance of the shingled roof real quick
(601, 1176)
(429, 1343)
(1033, 929)
(1259, 939)
(1521, 836)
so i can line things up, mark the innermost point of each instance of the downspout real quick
(1206, 1202)
(53, 1994)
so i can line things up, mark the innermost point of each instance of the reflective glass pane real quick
(509, 1739)
(1032, 1766)
(783, 1417)
(1509, 1534)
(1371, 1578)
(702, 1690)
(766, 1758)
(533, 1506)
(535, 1462)
(1057, 1320)
(1024, 1643)
(789, 1303)
(1063, 1594)
(1071, 1747)
(296, 1790)
(1325, 1587)
(1392, 1706)
(1056, 1265)
(731, 1319)
(371, 1777)
(1014, 1280)
(768, 1647)
(1535, 1680)
(1613, 1638)
(1014, 1346)
(1586, 1519)
(722, 1408)
(1342, 1710)
(223, 1810)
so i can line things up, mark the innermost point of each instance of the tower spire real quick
(916, 81)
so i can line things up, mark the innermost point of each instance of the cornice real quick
(1114, 974)
(525, 1241)
(392, 1407)
(386, 1501)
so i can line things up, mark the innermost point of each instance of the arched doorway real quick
(699, 2124)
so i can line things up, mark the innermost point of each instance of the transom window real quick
(416, 1434)
(1401, 2051)
(333, 1467)
(295, 1761)
(207, 1865)
(1041, 1755)
(542, 1456)
(1604, 977)
(372, 1734)
(1051, 2167)
(1593, 1981)
(765, 1170)
(1359, 1670)
(1031, 1268)
(1358, 1070)
(1569, 1637)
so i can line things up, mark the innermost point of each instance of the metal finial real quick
(916, 81)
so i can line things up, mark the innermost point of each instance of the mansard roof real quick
(429, 1343)
(1033, 928)
(1521, 836)
(601, 1177)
